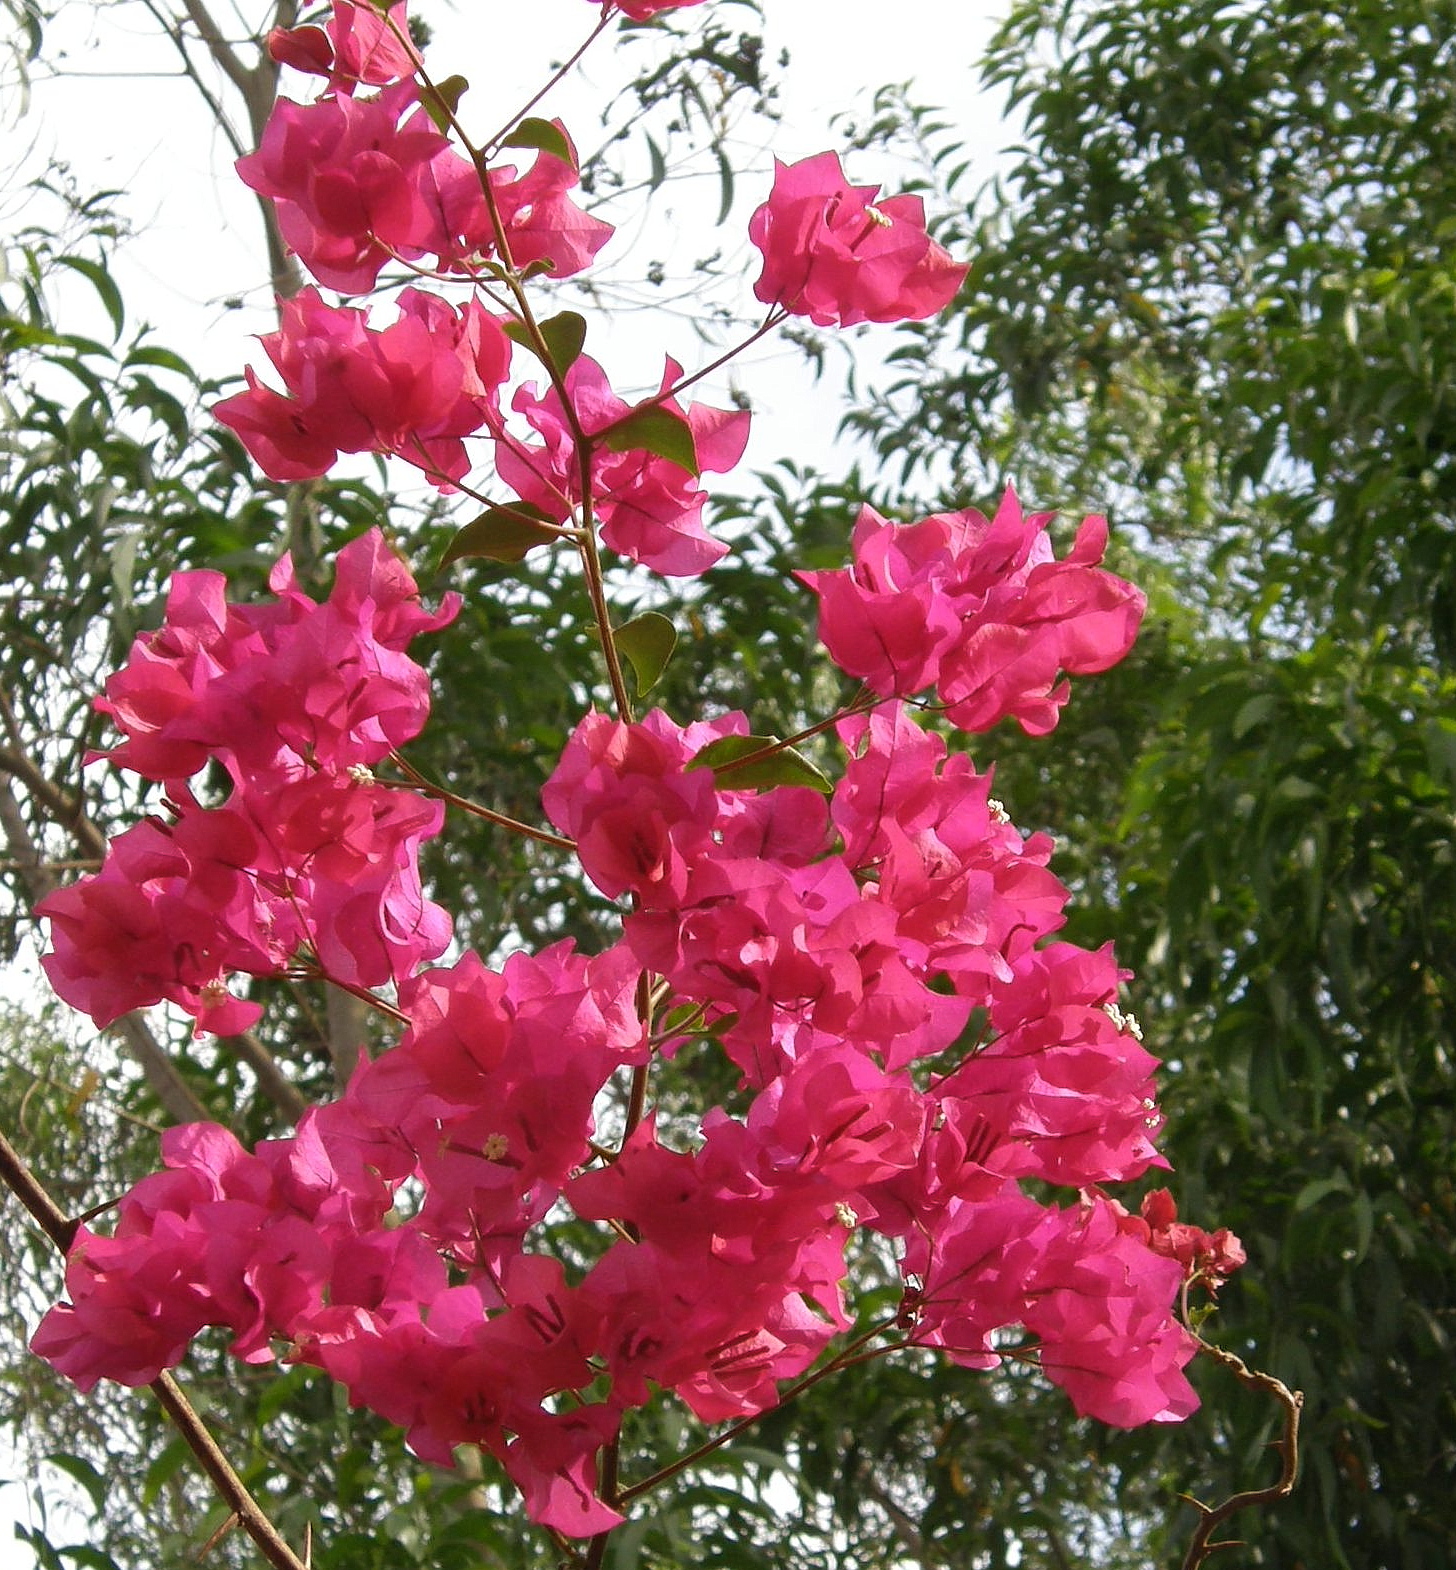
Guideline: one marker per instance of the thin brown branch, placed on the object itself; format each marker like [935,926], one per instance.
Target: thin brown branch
[562,71]
[1211,1517]
[845,1359]
[427,787]
[61,1230]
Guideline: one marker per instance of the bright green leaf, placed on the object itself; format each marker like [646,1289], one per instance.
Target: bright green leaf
[563,334]
[501,534]
[651,428]
[545,136]
[647,641]
[104,285]
[442,102]
[745,763]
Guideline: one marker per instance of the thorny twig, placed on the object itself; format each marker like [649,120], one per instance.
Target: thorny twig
[1211,1517]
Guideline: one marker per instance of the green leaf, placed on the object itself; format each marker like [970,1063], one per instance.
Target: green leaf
[1253,713]
[81,1471]
[654,429]
[657,172]
[735,766]
[164,359]
[725,184]
[1320,1188]
[647,641]
[104,285]
[545,137]
[1364,1224]
[564,336]
[163,1469]
[443,100]
[502,534]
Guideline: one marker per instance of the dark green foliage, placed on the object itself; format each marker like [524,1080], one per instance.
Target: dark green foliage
[1212,294]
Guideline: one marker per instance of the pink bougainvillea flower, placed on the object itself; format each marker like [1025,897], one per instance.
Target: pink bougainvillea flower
[357,45]
[1097,1300]
[642,10]
[980,608]
[296,700]
[414,388]
[277,690]
[650,507]
[1213,1256]
[831,252]
[359,182]
[541,222]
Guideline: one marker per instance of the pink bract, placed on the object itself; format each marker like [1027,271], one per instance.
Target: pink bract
[649,507]
[831,252]
[978,607]
[356,46]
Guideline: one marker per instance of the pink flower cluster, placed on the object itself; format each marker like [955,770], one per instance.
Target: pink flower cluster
[307,856]
[358,46]
[361,180]
[831,252]
[412,389]
[833,949]
[978,608]
[649,507]
[914,1046]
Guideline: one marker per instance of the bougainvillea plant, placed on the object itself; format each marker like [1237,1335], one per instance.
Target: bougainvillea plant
[919,1060]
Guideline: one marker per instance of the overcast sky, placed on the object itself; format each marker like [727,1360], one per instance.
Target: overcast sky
[124,120]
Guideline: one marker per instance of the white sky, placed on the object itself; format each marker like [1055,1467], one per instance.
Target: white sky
[199,241]
[123,120]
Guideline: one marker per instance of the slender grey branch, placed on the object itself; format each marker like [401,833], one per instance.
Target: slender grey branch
[190,71]
[65,810]
[272,1081]
[175,1094]
[228,60]
[257,85]
[61,1230]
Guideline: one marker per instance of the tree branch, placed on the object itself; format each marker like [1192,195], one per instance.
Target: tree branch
[228,60]
[61,1230]
[272,1081]
[1213,1516]
[177,1097]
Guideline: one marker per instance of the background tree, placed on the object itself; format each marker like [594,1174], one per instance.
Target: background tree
[1213,289]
